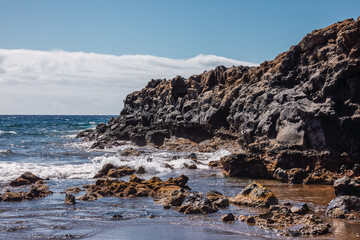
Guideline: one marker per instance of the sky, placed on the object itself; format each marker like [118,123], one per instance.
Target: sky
[85,56]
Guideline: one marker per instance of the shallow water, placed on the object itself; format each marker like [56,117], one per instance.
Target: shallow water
[45,145]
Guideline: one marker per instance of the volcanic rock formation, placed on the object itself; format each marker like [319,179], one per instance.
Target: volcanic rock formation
[300,111]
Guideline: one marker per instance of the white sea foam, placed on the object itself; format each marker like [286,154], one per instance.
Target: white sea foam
[160,161]
[154,162]
[7,132]
[11,170]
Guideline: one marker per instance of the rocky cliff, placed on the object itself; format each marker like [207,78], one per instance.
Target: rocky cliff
[301,110]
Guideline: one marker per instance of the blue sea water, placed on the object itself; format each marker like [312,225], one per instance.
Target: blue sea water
[47,147]
[34,143]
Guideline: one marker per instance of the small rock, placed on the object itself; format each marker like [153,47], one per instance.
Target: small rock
[141,170]
[117,217]
[300,209]
[192,166]
[70,199]
[228,218]
[193,156]
[214,195]
[222,202]
[250,220]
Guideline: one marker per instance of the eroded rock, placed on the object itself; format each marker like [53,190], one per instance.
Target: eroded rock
[255,195]
[26,178]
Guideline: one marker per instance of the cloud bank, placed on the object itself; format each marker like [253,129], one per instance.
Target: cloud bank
[59,82]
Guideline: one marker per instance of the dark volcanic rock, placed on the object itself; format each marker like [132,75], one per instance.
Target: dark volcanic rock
[195,203]
[344,207]
[347,202]
[305,100]
[347,186]
[228,218]
[244,166]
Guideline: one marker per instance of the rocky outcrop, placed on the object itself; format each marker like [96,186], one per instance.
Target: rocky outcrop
[26,178]
[135,187]
[37,190]
[304,104]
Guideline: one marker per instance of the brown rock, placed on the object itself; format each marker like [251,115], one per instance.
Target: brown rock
[70,199]
[25,179]
[255,195]
[72,190]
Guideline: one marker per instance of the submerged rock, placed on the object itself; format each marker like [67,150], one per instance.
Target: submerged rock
[69,199]
[255,195]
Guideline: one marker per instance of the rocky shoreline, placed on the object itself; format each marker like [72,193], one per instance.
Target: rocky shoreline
[295,118]
[175,194]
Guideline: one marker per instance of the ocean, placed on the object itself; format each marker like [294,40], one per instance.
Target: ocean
[47,146]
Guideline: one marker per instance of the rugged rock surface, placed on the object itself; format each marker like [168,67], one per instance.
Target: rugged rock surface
[298,111]
[195,203]
[135,187]
[109,170]
[288,222]
[37,190]
[26,178]
[255,195]
[347,202]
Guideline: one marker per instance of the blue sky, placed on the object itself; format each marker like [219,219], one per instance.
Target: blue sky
[245,30]
[85,56]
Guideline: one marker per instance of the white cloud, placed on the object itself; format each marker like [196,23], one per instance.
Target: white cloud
[59,82]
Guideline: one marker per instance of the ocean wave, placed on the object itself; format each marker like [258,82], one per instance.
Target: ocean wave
[7,132]
[11,170]
[154,162]
[161,161]
[6,152]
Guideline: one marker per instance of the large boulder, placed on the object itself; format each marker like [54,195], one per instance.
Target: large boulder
[344,207]
[347,186]
[244,166]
